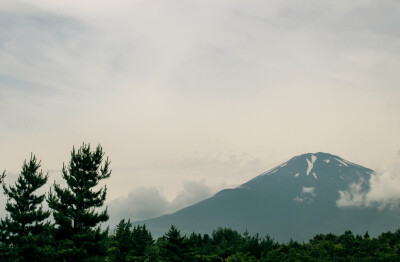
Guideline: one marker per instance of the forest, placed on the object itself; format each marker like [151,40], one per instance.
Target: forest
[70,229]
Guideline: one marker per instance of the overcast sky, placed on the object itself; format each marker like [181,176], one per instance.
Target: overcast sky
[189,97]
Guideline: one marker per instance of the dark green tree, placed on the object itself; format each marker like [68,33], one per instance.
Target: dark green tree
[78,233]
[25,234]
[174,246]
[130,244]
[121,242]
[142,241]
[226,241]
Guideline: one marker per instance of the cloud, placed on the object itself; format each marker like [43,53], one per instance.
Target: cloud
[383,193]
[307,194]
[308,190]
[191,193]
[152,80]
[352,197]
[139,204]
[148,202]
[385,188]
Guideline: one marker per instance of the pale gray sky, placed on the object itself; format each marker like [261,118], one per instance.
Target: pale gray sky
[204,92]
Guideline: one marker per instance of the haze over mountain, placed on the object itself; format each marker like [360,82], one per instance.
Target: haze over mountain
[300,198]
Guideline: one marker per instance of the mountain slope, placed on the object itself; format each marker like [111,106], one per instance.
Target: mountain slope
[296,199]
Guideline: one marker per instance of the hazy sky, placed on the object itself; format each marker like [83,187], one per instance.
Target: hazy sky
[188,97]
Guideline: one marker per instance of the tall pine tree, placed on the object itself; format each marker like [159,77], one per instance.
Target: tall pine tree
[25,234]
[78,234]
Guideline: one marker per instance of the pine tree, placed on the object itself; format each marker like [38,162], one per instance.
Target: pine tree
[74,207]
[25,235]
[174,246]
[142,240]
[121,243]
[131,244]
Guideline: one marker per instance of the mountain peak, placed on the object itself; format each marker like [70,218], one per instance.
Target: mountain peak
[296,199]
[309,170]
[310,160]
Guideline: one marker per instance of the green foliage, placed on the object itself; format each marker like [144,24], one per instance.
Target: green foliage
[142,240]
[241,257]
[173,246]
[121,243]
[226,242]
[24,233]
[74,208]
[129,244]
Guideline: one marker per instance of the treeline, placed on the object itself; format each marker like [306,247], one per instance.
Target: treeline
[224,244]
[73,233]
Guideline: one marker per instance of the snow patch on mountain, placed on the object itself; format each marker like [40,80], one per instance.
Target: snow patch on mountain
[342,162]
[310,164]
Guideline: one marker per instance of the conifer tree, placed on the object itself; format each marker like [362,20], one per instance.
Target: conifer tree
[78,235]
[174,246]
[142,240]
[25,234]
[121,243]
[131,243]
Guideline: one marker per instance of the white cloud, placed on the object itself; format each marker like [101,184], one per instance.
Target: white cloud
[385,188]
[139,204]
[383,193]
[148,202]
[352,197]
[308,190]
[191,193]
[307,194]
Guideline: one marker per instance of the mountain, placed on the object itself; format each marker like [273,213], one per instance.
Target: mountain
[295,200]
